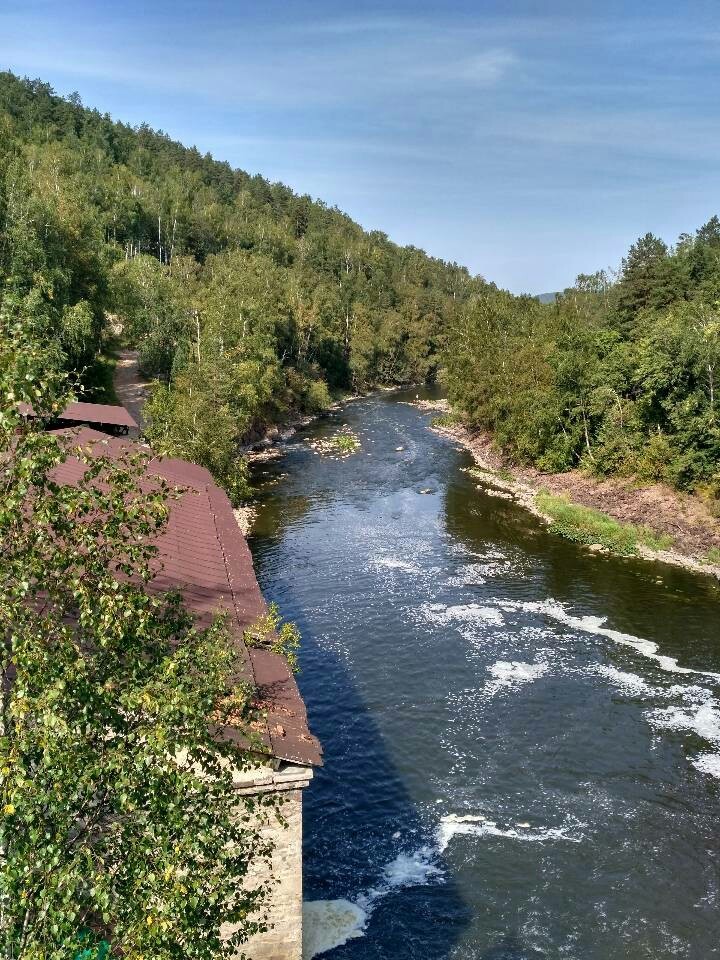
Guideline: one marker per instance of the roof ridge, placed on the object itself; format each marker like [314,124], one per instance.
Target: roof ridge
[288,739]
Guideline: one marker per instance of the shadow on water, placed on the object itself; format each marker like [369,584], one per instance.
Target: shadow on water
[364,840]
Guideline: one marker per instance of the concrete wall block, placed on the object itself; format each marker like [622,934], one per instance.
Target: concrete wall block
[283,941]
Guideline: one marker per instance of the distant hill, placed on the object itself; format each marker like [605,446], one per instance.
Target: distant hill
[547,297]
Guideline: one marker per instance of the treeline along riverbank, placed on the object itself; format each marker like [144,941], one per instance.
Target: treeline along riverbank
[250,306]
[618,377]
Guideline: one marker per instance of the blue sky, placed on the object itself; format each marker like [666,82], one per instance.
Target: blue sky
[529,141]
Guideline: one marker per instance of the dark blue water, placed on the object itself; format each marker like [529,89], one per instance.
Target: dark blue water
[522,739]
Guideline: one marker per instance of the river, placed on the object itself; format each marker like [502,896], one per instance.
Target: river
[522,739]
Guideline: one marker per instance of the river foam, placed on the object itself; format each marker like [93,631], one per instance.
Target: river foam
[702,720]
[477,825]
[494,565]
[699,715]
[513,673]
[330,923]
[396,563]
[698,712]
[595,625]
[708,763]
[438,613]
[629,684]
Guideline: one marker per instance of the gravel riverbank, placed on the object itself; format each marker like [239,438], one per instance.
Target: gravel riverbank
[683,518]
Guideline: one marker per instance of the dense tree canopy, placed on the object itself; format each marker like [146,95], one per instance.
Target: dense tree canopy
[248,302]
[619,376]
[241,296]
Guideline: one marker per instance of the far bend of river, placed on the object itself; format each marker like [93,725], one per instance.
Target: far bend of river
[522,738]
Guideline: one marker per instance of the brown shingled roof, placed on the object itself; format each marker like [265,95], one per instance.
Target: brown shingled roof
[103,414]
[204,555]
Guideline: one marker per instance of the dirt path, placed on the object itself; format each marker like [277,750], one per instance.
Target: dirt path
[130,386]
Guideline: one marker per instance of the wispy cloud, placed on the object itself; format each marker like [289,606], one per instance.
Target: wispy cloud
[479,69]
[360,25]
[468,128]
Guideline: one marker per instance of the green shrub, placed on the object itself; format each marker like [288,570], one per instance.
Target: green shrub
[271,632]
[445,420]
[585,525]
[655,463]
[317,396]
[98,377]
[345,442]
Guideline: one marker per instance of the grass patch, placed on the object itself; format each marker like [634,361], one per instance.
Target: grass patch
[340,444]
[585,525]
[445,420]
[713,555]
[344,443]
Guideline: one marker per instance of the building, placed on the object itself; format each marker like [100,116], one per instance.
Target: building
[102,416]
[203,555]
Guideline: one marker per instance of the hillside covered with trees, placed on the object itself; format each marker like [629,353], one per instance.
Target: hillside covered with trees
[249,303]
[619,376]
[246,301]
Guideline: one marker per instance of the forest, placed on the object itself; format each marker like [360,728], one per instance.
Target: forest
[247,302]
[250,304]
[618,376]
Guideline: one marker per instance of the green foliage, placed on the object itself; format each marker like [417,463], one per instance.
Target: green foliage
[616,377]
[155,305]
[187,421]
[713,555]
[445,420]
[119,821]
[342,443]
[98,377]
[273,633]
[98,951]
[52,261]
[313,395]
[345,443]
[247,301]
[585,525]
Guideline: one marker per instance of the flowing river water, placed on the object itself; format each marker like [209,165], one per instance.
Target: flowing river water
[522,739]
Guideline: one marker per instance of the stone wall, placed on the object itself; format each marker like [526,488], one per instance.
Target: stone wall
[283,940]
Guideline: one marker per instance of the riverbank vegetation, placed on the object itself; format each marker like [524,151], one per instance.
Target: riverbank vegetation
[615,513]
[594,528]
[619,376]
